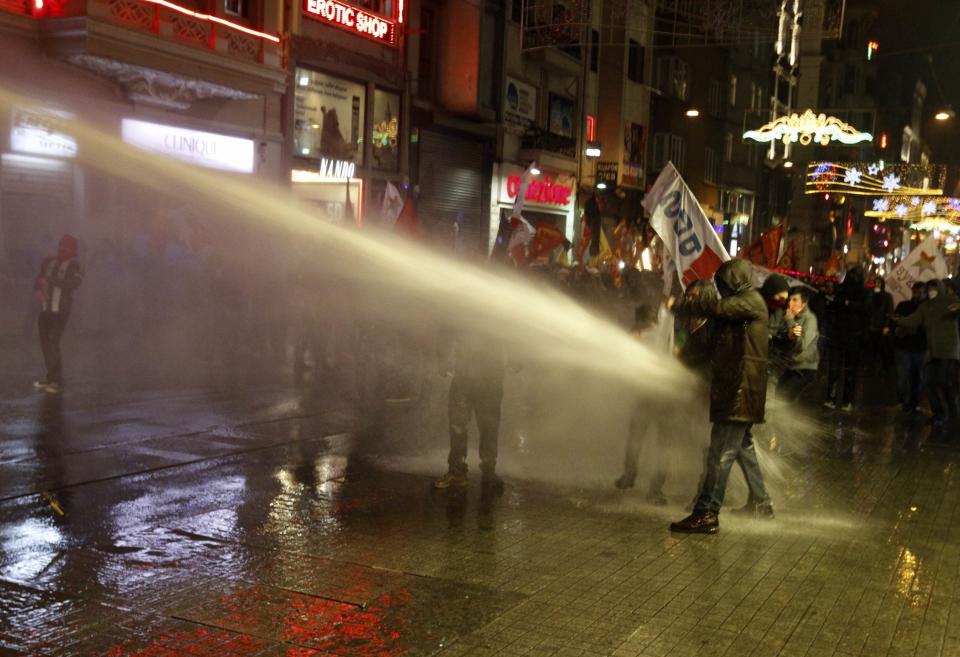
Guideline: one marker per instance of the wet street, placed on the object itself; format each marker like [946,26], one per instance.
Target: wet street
[228,524]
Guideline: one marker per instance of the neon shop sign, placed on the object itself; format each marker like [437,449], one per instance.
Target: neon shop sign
[353,19]
[540,191]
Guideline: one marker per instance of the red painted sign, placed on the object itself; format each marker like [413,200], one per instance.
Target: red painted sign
[353,19]
[540,191]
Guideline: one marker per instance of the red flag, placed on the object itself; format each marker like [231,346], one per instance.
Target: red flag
[833,266]
[703,267]
[407,221]
[765,249]
[519,236]
[788,260]
[546,239]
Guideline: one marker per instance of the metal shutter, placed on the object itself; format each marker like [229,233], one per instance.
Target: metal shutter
[452,181]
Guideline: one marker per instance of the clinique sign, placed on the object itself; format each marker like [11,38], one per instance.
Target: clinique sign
[354,19]
[540,191]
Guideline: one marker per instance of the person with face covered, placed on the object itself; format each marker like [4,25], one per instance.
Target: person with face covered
[848,313]
[738,392]
[938,317]
[878,327]
[59,277]
[909,353]
[775,291]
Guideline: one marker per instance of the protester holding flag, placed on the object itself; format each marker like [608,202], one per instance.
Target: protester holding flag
[738,393]
[938,317]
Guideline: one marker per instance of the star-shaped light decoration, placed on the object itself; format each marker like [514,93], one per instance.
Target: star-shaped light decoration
[930,207]
[881,205]
[915,200]
[873,169]
[891,182]
[901,209]
[820,170]
[955,204]
[852,176]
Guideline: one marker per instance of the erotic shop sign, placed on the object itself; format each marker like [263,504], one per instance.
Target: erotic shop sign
[351,18]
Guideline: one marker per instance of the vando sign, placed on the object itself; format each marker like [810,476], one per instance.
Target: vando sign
[205,149]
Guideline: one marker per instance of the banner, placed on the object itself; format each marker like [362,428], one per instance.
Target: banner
[789,258]
[765,251]
[688,236]
[392,204]
[924,263]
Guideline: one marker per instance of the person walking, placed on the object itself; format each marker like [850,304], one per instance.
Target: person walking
[800,346]
[909,352]
[738,392]
[848,324]
[938,317]
[59,277]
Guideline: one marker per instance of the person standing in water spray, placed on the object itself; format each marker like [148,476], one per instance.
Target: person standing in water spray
[59,277]
[738,392]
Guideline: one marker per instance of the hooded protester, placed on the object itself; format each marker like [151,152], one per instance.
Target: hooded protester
[738,393]
[878,327]
[59,277]
[848,314]
[775,291]
[910,350]
[938,317]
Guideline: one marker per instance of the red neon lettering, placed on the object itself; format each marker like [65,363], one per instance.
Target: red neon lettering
[540,191]
[356,20]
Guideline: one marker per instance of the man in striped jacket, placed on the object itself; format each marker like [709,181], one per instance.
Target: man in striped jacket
[59,276]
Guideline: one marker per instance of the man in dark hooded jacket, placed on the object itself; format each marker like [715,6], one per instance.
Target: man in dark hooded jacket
[878,325]
[738,393]
[848,315]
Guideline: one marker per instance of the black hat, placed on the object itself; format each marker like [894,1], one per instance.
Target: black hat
[774,285]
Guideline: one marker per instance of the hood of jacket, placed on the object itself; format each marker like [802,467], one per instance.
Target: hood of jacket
[736,274]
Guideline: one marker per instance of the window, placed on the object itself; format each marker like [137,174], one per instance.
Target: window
[713,98]
[235,8]
[425,60]
[594,50]
[635,55]
[668,148]
[673,77]
[329,117]
[711,167]
[386,130]
[728,147]
[752,156]
[760,99]
[733,91]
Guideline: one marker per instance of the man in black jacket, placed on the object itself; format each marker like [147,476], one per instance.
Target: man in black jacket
[738,393]
[910,351]
[848,326]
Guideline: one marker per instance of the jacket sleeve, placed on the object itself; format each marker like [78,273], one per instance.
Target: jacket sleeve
[72,277]
[912,322]
[810,333]
[737,307]
[43,268]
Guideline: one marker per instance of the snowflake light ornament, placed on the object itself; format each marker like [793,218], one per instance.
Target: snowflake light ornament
[873,169]
[852,176]
[891,182]
[955,204]
[915,200]
[930,207]
[881,205]
[901,209]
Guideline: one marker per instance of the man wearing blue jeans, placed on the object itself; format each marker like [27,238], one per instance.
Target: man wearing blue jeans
[738,392]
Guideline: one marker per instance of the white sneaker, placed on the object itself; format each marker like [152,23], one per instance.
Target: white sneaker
[846,408]
[829,404]
[40,385]
[53,388]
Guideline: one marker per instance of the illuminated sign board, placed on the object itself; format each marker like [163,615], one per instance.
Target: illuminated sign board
[36,132]
[205,149]
[544,191]
[353,19]
[337,169]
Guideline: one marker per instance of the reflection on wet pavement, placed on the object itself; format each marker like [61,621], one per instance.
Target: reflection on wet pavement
[273,536]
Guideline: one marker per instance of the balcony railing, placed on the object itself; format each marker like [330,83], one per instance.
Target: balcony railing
[541,140]
[167,20]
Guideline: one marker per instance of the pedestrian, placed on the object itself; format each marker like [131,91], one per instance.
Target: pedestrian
[59,277]
[878,325]
[938,317]
[648,429]
[476,390]
[738,392]
[799,345]
[910,351]
[848,313]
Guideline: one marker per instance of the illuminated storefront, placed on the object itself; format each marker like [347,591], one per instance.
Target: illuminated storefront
[550,198]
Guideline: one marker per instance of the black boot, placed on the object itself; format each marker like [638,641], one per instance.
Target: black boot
[698,522]
[756,511]
[626,480]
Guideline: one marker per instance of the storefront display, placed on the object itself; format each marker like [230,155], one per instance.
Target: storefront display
[329,117]
[386,130]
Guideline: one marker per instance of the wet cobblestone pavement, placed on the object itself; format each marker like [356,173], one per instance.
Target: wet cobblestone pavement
[258,526]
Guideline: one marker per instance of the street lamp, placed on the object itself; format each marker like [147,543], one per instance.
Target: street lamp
[693,113]
[601,185]
[592,150]
[945,114]
[788,164]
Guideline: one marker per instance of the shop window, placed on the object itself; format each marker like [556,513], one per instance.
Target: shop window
[329,117]
[236,8]
[385,137]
